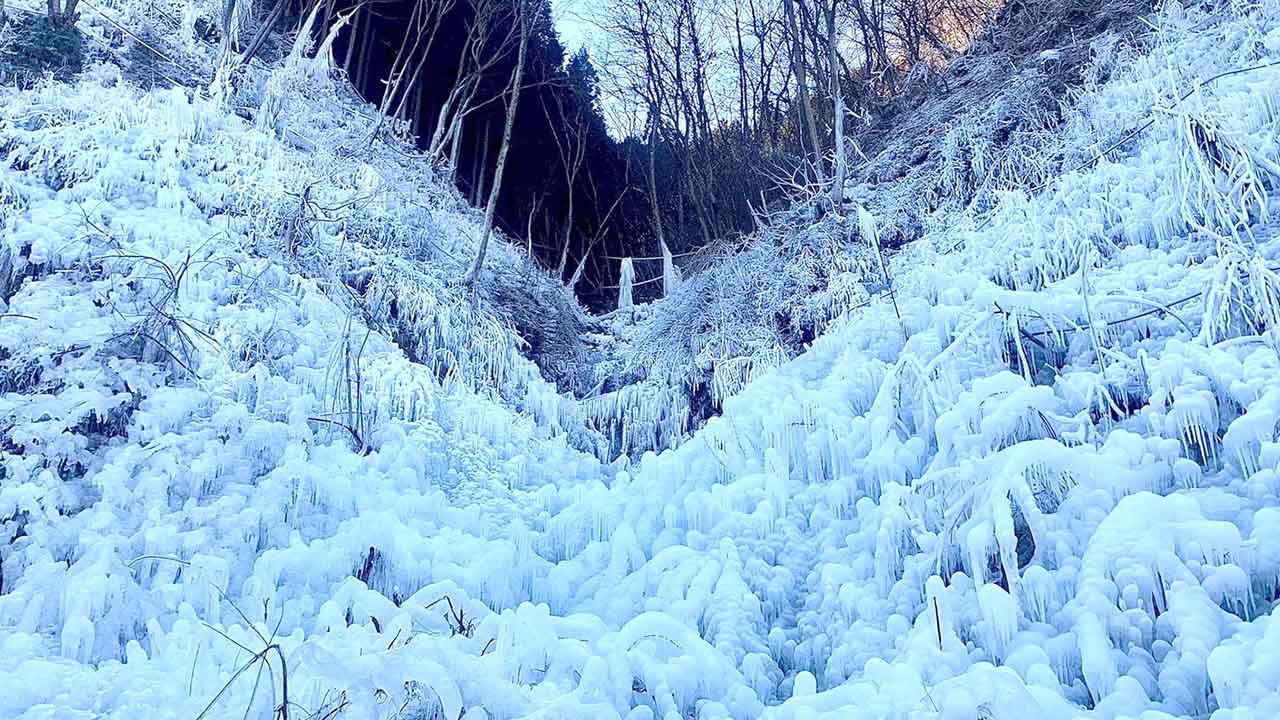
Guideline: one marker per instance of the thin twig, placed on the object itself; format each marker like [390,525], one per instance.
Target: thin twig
[355,436]
[140,558]
[191,679]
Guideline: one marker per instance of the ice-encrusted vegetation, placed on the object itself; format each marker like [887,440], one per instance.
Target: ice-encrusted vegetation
[261,460]
[932,160]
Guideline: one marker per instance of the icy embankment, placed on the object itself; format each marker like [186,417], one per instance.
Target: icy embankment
[223,495]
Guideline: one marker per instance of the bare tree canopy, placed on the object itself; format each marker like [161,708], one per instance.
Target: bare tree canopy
[684,124]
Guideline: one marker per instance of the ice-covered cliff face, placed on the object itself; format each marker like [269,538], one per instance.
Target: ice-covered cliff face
[259,461]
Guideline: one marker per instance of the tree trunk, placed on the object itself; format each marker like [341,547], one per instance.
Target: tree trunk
[568,234]
[837,94]
[743,101]
[260,38]
[802,87]
[480,177]
[492,207]
[366,49]
[655,212]
[353,39]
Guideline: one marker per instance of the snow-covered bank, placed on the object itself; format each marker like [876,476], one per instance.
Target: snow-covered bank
[1056,498]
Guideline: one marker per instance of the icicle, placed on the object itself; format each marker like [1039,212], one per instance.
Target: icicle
[1039,594]
[1195,415]
[1230,587]
[1000,615]
[670,273]
[626,279]
[77,639]
[979,543]
[1099,669]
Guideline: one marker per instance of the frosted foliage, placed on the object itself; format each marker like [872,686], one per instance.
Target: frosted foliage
[251,427]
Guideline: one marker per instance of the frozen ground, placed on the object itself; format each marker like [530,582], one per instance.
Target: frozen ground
[239,480]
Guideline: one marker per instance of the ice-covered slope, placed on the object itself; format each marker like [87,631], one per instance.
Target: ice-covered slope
[1055,497]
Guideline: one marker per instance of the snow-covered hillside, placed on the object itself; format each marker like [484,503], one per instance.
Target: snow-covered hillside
[262,460]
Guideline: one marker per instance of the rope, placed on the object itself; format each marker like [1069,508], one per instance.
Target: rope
[634,284]
[657,257]
[126,31]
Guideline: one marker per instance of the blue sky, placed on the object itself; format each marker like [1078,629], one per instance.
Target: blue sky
[572,22]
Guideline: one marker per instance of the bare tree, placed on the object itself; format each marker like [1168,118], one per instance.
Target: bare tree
[59,15]
[838,111]
[517,80]
[802,86]
[425,22]
[572,150]
[488,41]
[654,99]
[720,137]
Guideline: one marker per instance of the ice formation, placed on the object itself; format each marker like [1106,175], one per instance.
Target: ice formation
[218,477]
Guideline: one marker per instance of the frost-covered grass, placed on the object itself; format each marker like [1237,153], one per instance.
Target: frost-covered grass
[244,443]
